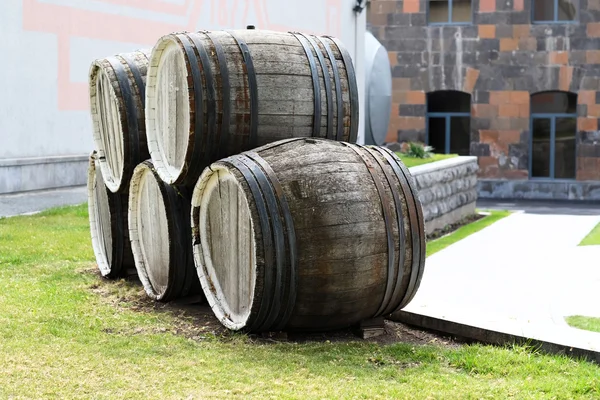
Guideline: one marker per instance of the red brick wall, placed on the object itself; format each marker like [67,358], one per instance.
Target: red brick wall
[500,59]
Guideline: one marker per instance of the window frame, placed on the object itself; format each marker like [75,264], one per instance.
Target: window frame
[447,131]
[555,20]
[552,117]
[449,22]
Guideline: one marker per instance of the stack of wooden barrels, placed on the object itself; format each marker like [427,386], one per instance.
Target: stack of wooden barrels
[228,170]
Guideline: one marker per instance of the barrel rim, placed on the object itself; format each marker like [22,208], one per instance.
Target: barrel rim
[197,215]
[167,173]
[100,254]
[112,179]
[143,168]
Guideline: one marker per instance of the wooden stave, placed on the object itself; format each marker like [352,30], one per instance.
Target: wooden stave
[121,262]
[183,280]
[126,73]
[224,140]
[405,287]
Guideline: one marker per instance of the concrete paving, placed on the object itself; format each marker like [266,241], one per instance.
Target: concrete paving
[33,202]
[521,275]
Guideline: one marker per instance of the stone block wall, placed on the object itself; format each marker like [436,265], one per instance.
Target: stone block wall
[447,190]
[500,59]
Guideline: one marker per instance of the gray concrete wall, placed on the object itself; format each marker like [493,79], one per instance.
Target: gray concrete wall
[50,44]
[447,190]
[539,190]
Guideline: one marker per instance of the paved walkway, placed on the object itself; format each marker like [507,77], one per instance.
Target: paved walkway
[32,202]
[522,275]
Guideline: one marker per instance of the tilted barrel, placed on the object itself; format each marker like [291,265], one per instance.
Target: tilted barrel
[108,226]
[159,227]
[214,94]
[307,234]
[117,98]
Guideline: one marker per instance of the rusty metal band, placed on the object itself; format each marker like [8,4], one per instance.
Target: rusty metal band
[290,300]
[316,85]
[195,166]
[137,77]
[393,303]
[226,93]
[421,221]
[211,102]
[338,90]
[265,227]
[406,194]
[252,87]
[420,226]
[387,220]
[130,111]
[352,85]
[327,80]
[278,238]
[415,216]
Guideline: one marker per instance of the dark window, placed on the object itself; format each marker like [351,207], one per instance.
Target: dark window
[449,11]
[449,122]
[554,10]
[553,131]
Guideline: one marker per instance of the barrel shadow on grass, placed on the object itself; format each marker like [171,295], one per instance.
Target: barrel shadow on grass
[196,321]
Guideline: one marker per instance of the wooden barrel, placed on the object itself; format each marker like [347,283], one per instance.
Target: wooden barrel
[307,234]
[159,227]
[108,226]
[117,98]
[215,94]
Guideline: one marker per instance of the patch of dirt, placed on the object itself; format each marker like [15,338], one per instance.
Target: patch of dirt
[395,332]
[452,227]
[192,319]
[196,321]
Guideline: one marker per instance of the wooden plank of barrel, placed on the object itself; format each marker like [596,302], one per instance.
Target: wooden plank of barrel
[159,227]
[214,94]
[307,234]
[117,97]
[108,226]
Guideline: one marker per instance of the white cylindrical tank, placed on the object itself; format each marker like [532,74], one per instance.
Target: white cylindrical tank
[378,83]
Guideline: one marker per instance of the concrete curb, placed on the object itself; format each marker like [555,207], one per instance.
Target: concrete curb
[492,337]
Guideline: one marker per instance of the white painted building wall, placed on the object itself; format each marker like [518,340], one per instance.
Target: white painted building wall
[47,46]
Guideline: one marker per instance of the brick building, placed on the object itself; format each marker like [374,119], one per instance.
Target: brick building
[514,82]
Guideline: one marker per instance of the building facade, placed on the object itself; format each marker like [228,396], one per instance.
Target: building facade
[48,46]
[514,82]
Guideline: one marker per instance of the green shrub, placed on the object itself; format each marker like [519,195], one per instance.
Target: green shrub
[419,150]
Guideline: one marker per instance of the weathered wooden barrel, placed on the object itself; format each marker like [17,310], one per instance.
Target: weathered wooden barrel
[117,98]
[307,234]
[214,94]
[108,226]
[159,227]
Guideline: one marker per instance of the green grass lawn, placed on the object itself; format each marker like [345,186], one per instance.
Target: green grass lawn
[592,238]
[65,333]
[413,161]
[587,323]
[439,244]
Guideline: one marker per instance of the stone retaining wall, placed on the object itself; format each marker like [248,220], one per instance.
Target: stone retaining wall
[447,190]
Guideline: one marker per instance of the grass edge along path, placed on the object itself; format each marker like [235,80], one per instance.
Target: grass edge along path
[67,333]
[441,243]
[591,324]
[592,238]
